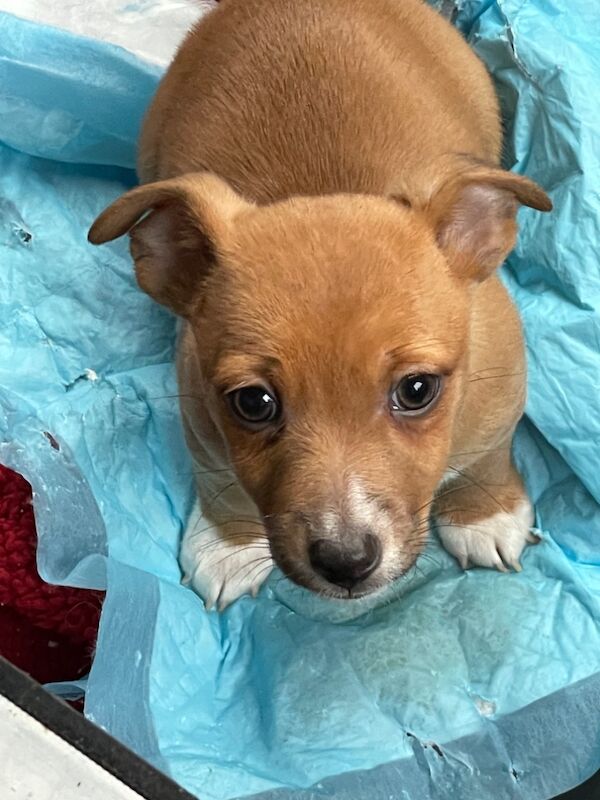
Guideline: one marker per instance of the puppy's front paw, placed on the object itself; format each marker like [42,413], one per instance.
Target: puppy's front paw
[223,562]
[496,542]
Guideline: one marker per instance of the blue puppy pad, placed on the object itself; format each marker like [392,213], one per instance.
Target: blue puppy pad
[76,360]
[546,64]
[473,685]
[307,697]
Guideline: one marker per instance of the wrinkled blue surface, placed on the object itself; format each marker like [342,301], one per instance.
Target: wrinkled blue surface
[500,672]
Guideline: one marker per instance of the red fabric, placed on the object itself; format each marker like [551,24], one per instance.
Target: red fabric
[48,631]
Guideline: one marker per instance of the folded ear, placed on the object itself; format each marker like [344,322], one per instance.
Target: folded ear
[184,223]
[474,216]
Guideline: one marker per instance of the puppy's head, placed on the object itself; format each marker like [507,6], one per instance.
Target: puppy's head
[332,335]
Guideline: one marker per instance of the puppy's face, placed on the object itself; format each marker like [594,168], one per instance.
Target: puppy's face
[331,335]
[331,341]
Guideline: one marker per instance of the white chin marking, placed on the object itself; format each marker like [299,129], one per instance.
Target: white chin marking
[495,542]
[224,562]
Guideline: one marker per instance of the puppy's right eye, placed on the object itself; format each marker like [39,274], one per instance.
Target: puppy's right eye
[254,406]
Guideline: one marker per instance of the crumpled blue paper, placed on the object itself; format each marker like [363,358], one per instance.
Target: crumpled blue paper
[474,685]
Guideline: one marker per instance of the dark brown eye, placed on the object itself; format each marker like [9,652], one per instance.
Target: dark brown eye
[254,406]
[414,394]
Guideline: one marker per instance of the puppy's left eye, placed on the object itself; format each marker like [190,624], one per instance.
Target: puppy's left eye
[415,394]
[254,406]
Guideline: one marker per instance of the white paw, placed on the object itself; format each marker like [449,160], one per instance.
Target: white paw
[496,542]
[224,562]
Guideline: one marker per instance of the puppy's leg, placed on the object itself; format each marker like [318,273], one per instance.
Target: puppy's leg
[483,515]
[224,560]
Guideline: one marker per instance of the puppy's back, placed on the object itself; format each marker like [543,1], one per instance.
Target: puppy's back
[285,97]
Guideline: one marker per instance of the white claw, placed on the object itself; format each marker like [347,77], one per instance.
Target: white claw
[500,565]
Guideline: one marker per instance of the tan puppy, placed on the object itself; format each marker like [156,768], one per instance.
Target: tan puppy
[325,211]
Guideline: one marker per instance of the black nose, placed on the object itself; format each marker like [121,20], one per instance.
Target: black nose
[345,566]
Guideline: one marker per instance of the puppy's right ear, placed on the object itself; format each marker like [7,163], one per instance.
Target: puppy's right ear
[184,223]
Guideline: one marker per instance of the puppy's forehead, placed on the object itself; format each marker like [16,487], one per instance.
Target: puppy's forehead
[344,279]
[310,243]
[343,247]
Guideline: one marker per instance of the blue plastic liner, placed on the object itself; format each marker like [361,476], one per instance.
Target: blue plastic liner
[475,685]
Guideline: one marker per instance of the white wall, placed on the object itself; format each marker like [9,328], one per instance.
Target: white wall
[150,28]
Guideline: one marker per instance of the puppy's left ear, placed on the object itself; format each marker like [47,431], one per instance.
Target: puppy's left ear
[473,214]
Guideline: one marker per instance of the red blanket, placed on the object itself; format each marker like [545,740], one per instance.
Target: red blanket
[48,631]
